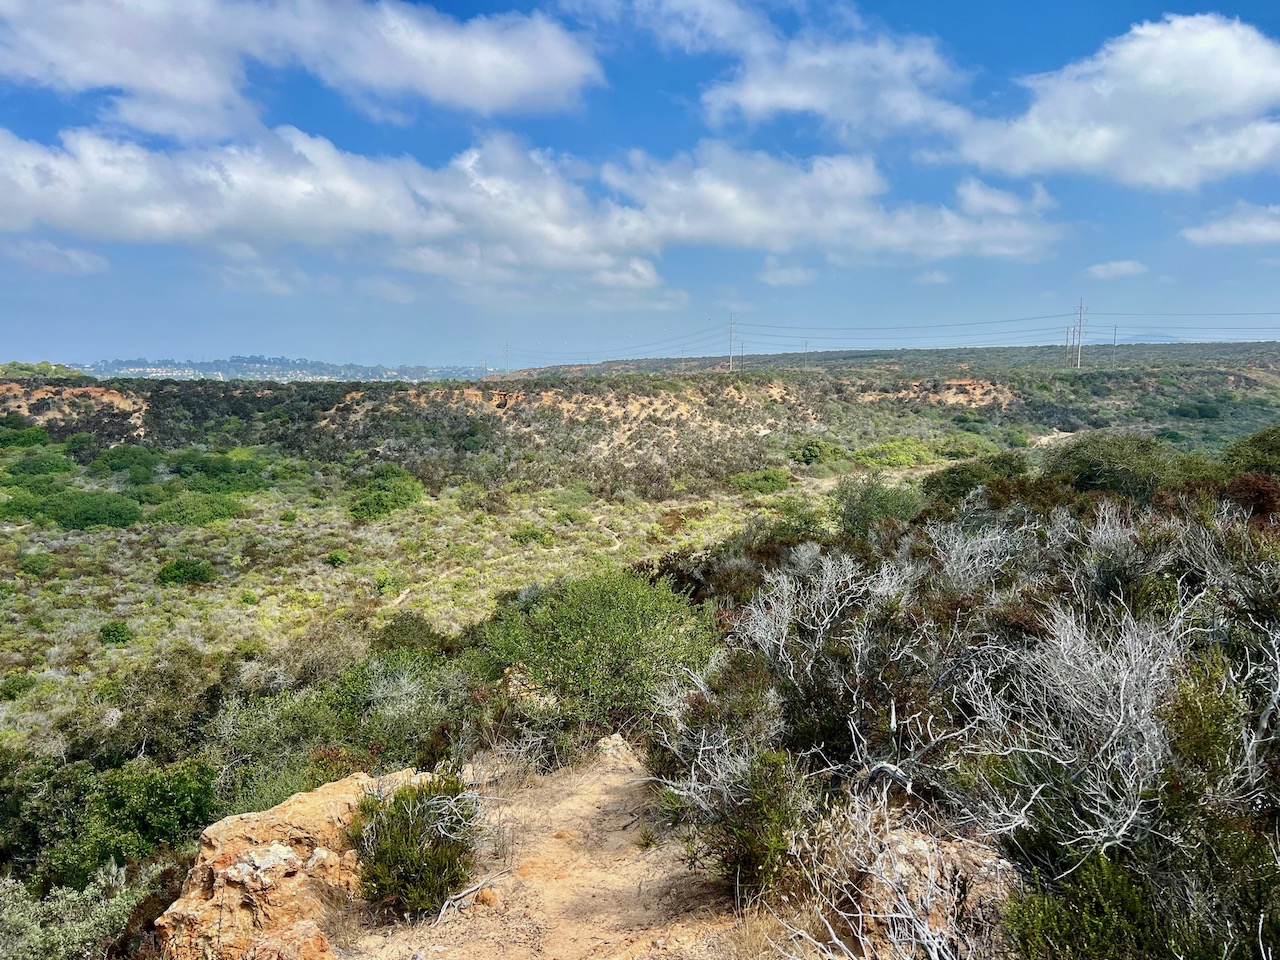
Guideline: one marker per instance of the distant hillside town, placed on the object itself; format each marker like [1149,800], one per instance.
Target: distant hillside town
[280,369]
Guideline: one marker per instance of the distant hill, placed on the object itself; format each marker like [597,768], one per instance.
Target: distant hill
[278,369]
[18,370]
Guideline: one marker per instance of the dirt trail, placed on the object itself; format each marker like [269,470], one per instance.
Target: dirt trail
[580,882]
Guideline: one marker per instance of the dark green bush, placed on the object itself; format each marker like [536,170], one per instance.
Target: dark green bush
[530,533]
[1102,911]
[37,564]
[41,464]
[601,645]
[772,480]
[15,683]
[815,450]
[1124,463]
[191,509]
[217,472]
[861,503]
[1257,453]
[749,839]
[412,631]
[388,488]
[23,437]
[133,811]
[115,632]
[336,558]
[186,570]
[84,509]
[83,448]
[418,846]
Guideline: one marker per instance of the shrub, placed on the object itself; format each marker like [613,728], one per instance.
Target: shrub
[389,488]
[196,509]
[186,570]
[337,558]
[37,564]
[66,924]
[15,683]
[1100,912]
[24,437]
[749,839]
[217,472]
[132,812]
[1124,463]
[900,452]
[814,450]
[412,631]
[772,480]
[83,448]
[529,533]
[85,509]
[601,645]
[860,503]
[41,464]
[1257,453]
[115,632]
[417,846]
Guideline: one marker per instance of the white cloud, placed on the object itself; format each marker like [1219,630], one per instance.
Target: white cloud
[933,278]
[1247,223]
[722,196]
[179,68]
[777,274]
[1168,105]
[1116,268]
[48,257]
[498,213]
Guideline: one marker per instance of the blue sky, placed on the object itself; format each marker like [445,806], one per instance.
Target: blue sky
[403,183]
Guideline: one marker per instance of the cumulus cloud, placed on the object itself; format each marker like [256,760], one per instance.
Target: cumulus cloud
[497,213]
[1168,105]
[728,197]
[1247,223]
[48,257]
[1116,268]
[179,68]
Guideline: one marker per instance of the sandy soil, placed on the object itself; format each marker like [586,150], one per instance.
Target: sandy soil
[580,881]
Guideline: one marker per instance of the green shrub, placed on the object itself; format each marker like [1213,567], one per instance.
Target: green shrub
[749,839]
[115,632]
[529,533]
[815,451]
[418,846]
[389,488]
[1124,463]
[83,448]
[771,480]
[85,509]
[412,631]
[15,683]
[600,646]
[24,437]
[192,509]
[336,558]
[41,464]
[132,812]
[37,564]
[1102,911]
[217,472]
[138,461]
[1257,453]
[67,924]
[186,570]
[900,452]
[860,503]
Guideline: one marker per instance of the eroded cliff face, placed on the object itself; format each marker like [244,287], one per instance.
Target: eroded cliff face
[272,884]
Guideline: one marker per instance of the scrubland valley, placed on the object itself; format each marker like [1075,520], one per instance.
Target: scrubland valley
[937,654]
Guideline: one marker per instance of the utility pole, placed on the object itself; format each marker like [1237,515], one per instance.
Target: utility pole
[1080,334]
[731,343]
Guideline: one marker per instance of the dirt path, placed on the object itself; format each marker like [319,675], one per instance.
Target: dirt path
[581,881]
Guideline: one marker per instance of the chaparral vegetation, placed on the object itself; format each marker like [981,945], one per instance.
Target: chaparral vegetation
[969,597]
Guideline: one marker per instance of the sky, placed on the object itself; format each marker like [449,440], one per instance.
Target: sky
[380,181]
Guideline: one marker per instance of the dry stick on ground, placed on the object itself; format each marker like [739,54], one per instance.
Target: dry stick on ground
[461,895]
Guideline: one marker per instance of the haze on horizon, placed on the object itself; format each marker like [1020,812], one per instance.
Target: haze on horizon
[392,182]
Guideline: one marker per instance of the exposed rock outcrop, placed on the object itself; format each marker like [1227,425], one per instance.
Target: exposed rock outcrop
[269,885]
